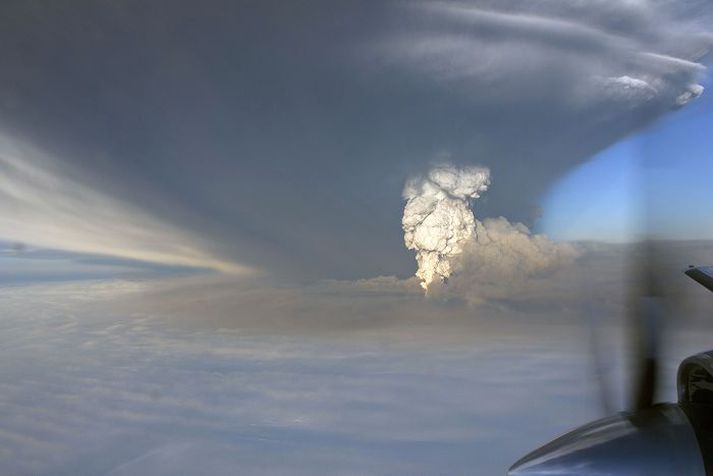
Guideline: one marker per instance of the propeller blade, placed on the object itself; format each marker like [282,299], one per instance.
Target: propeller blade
[597,361]
[646,328]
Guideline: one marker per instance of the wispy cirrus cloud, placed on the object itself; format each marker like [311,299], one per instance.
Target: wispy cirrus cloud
[573,53]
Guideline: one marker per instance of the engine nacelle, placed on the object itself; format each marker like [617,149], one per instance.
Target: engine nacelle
[666,439]
[695,379]
[695,397]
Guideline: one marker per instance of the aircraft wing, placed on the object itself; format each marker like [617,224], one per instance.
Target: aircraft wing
[702,274]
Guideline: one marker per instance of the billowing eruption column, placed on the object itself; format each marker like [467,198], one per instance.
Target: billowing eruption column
[483,256]
[437,219]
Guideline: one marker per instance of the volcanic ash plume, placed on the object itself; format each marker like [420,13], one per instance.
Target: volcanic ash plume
[437,219]
[485,257]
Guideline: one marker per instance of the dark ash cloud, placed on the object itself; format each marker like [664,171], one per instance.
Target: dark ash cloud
[282,135]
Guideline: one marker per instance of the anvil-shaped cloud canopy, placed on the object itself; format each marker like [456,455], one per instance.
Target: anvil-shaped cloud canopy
[280,135]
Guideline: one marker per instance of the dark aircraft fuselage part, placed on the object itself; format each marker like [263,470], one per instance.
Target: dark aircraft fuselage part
[658,441]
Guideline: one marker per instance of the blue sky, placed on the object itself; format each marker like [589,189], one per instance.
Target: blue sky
[602,199]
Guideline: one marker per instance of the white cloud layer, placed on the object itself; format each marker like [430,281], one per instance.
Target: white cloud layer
[225,376]
[133,392]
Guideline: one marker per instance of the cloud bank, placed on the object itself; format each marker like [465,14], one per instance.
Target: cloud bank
[440,226]
[134,393]
[219,374]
